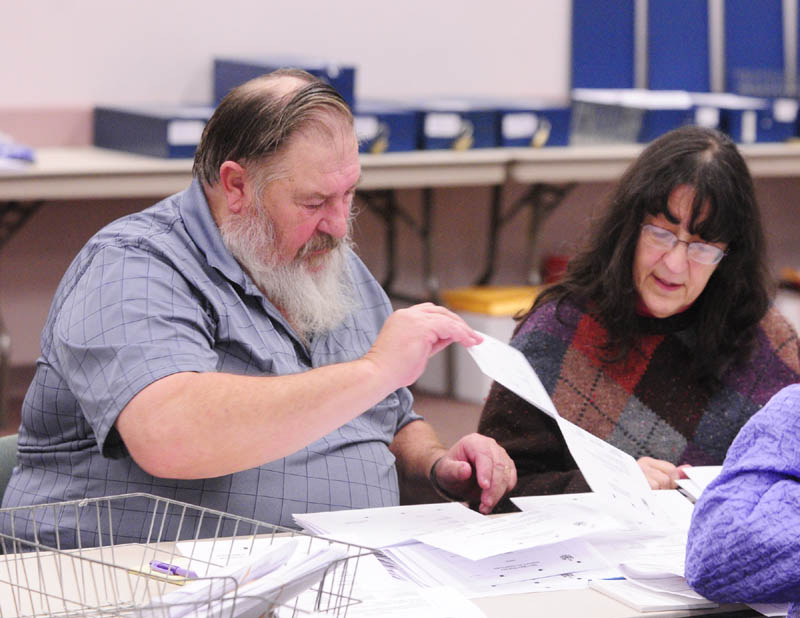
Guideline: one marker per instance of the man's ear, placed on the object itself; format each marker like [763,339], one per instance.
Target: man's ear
[235,186]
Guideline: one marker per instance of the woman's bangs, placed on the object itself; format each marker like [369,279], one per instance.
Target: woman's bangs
[716,216]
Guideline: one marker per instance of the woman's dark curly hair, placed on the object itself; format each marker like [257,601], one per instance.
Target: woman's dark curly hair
[736,297]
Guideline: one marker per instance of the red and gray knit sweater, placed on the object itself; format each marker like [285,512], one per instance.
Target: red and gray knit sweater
[646,404]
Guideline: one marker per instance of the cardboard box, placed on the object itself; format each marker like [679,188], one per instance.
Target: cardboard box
[160,131]
[491,310]
[231,72]
[383,126]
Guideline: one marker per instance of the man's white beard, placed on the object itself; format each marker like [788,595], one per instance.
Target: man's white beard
[314,302]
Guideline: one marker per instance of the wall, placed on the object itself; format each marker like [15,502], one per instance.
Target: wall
[78,52]
[69,55]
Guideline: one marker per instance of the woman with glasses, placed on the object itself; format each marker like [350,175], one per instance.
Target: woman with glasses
[661,338]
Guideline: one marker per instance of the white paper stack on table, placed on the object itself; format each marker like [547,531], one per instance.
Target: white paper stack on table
[275,574]
[556,542]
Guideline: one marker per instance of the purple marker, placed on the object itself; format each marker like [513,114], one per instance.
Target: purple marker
[171,569]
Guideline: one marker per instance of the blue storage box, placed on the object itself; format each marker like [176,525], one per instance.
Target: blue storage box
[603,43]
[754,46]
[750,119]
[630,115]
[230,72]
[534,123]
[155,130]
[678,48]
[383,126]
[457,124]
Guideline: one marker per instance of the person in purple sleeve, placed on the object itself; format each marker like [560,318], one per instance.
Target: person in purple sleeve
[744,541]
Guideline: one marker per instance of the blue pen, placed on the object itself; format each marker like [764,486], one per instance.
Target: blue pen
[171,569]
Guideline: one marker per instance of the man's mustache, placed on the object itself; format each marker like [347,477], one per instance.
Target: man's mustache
[319,242]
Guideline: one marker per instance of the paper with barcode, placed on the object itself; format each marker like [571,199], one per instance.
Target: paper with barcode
[608,470]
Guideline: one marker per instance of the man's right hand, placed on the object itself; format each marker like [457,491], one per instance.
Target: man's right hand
[411,336]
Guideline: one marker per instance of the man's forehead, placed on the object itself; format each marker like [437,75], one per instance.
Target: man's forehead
[324,188]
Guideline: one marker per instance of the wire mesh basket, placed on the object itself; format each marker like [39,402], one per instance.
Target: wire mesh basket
[598,123]
[762,82]
[69,559]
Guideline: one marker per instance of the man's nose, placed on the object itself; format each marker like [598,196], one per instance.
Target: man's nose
[336,219]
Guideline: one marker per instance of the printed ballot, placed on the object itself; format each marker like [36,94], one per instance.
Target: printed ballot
[609,471]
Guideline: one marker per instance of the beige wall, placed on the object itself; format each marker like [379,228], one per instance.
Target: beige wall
[70,54]
[75,52]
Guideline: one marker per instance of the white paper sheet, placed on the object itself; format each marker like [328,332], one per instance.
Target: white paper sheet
[645,600]
[699,478]
[509,367]
[702,475]
[660,581]
[381,527]
[208,556]
[644,550]
[673,509]
[517,531]
[771,609]
[511,573]
[608,470]
[194,596]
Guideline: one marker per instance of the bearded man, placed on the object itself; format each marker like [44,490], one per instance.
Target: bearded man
[225,347]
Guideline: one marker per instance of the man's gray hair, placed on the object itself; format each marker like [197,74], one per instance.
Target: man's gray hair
[258,118]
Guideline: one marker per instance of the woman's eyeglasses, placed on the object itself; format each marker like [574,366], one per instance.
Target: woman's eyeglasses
[700,252]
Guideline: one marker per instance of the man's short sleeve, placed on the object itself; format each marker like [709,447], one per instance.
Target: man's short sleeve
[130,319]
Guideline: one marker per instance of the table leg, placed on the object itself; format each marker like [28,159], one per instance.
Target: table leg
[542,199]
[495,223]
[5,362]
[13,216]
[385,204]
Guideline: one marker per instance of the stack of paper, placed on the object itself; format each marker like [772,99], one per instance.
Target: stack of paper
[264,578]
[699,478]
[644,599]
[382,527]
[515,572]
[555,542]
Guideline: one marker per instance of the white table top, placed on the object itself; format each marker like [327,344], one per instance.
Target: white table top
[581,603]
[603,163]
[93,173]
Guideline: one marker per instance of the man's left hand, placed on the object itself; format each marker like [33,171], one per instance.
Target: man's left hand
[476,469]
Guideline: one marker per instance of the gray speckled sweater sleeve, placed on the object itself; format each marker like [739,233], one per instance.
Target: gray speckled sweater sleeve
[744,543]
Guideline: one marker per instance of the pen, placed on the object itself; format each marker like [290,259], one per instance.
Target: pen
[171,569]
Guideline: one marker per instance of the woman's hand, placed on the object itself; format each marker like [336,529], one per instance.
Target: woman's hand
[661,474]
